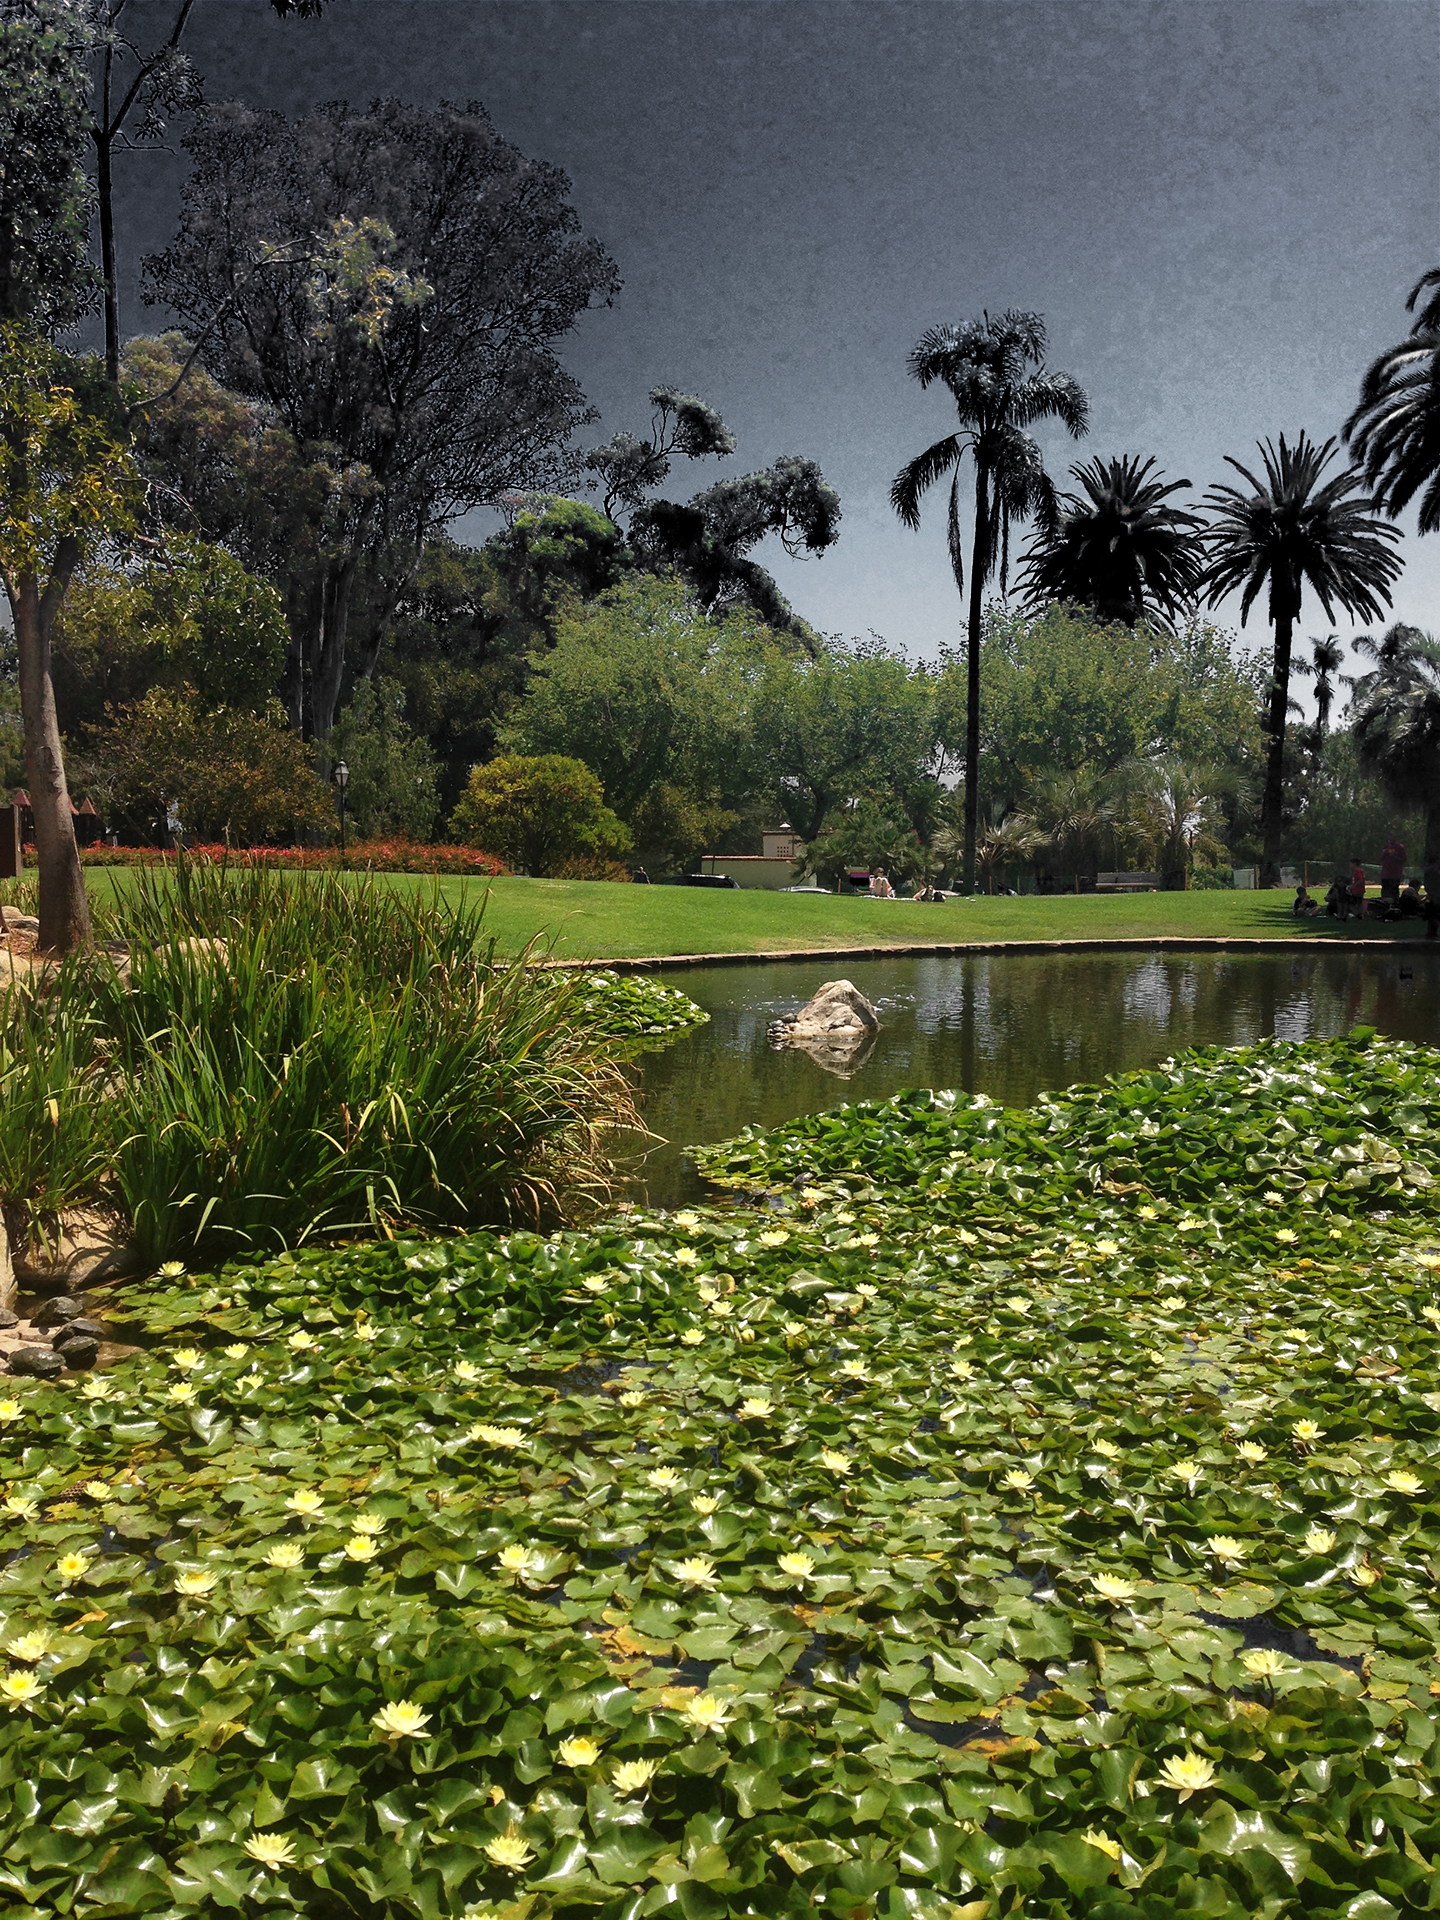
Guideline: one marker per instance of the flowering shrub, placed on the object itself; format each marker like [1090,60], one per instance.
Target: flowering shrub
[366,856]
[1022,1512]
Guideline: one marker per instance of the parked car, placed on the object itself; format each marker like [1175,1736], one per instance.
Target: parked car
[708,880]
[825,890]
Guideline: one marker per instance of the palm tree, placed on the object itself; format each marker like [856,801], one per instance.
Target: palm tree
[1290,529]
[1397,724]
[1120,549]
[1395,430]
[1326,659]
[996,375]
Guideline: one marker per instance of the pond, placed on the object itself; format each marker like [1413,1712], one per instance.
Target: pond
[1009,1025]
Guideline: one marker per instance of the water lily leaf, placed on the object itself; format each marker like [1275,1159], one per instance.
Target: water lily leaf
[1228,1830]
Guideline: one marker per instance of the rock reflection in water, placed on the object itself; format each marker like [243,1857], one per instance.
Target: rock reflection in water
[1008,1025]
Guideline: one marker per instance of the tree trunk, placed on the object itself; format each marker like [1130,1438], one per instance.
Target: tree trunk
[327,653]
[105,195]
[1271,811]
[972,678]
[64,911]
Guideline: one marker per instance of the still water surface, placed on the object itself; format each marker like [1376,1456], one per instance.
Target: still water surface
[1008,1025]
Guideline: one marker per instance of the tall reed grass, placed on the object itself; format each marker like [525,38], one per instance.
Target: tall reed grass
[281,1058]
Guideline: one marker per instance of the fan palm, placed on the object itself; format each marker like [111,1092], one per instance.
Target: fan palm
[1395,430]
[1120,549]
[995,372]
[1287,530]
[1397,724]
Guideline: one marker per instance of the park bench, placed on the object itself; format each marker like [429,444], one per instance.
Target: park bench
[1127,883]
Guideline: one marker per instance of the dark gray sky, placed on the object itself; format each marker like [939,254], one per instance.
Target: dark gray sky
[1218,205]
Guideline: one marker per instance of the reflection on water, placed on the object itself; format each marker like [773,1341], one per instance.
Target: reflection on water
[1004,1024]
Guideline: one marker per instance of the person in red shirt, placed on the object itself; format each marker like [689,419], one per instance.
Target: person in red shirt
[1392,868]
[1357,887]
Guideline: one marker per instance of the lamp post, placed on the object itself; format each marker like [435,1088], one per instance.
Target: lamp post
[341,777]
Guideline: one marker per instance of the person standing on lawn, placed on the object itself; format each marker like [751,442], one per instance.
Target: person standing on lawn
[1392,868]
[1357,887]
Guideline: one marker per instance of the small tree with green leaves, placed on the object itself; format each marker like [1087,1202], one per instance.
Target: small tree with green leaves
[539,813]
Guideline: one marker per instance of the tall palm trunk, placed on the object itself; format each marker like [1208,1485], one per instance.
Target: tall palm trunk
[978,555]
[1272,808]
[64,910]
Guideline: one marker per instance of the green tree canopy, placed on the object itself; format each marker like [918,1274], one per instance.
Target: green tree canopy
[392,790]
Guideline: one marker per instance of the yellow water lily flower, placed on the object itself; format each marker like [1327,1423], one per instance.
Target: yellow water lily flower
[187,1358]
[1189,1224]
[707,1712]
[1110,1586]
[794,1329]
[400,1720]
[12,1409]
[1108,1247]
[465,1370]
[1018,1480]
[1432,1314]
[1401,1480]
[172,1269]
[755,1409]
[664,1479]
[1148,1213]
[1272,1198]
[799,1566]
[1017,1303]
[72,1566]
[21,1689]
[31,1646]
[1252,1451]
[1173,1302]
[1262,1663]
[1102,1842]
[1306,1431]
[1225,1548]
[837,1462]
[360,1546]
[196,1582]
[301,1342]
[1364,1576]
[632,1397]
[854,1370]
[867,1240]
[307,1502]
[1320,1540]
[773,1237]
[184,1393]
[272,1850]
[20,1507]
[237,1352]
[1187,1773]
[691,1337]
[705,1503]
[94,1387]
[595,1284]
[867,1292]
[961,1369]
[687,1220]
[632,1776]
[287,1555]
[507,1438]
[696,1571]
[371,1523]
[367,1331]
[685,1257]
[1107,1449]
[519,1560]
[579,1751]
[723,1308]
[1187,1470]
[509,1850]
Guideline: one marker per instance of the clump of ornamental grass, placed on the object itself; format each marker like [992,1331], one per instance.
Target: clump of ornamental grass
[281,1059]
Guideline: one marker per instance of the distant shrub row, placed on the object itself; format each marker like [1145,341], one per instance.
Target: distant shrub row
[369,856]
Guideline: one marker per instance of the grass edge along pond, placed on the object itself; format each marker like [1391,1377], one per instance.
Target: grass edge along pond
[604,920]
[1001,1511]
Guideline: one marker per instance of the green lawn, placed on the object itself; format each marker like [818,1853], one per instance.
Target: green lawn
[592,920]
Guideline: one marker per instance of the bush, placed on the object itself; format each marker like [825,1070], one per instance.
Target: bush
[1211,879]
[365,856]
[351,1060]
[539,812]
[224,771]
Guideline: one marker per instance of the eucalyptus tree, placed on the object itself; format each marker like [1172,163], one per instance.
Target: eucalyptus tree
[392,284]
[1118,547]
[995,372]
[1394,431]
[1292,528]
[1396,731]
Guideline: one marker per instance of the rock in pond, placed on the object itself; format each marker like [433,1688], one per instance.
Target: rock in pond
[836,1027]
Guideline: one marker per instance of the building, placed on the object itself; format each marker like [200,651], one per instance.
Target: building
[773,867]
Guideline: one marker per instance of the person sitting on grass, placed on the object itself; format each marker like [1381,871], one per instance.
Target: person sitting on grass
[880,887]
[1412,907]
[1337,900]
[1305,906]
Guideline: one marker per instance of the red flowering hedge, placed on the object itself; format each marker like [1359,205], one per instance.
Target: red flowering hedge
[366,856]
